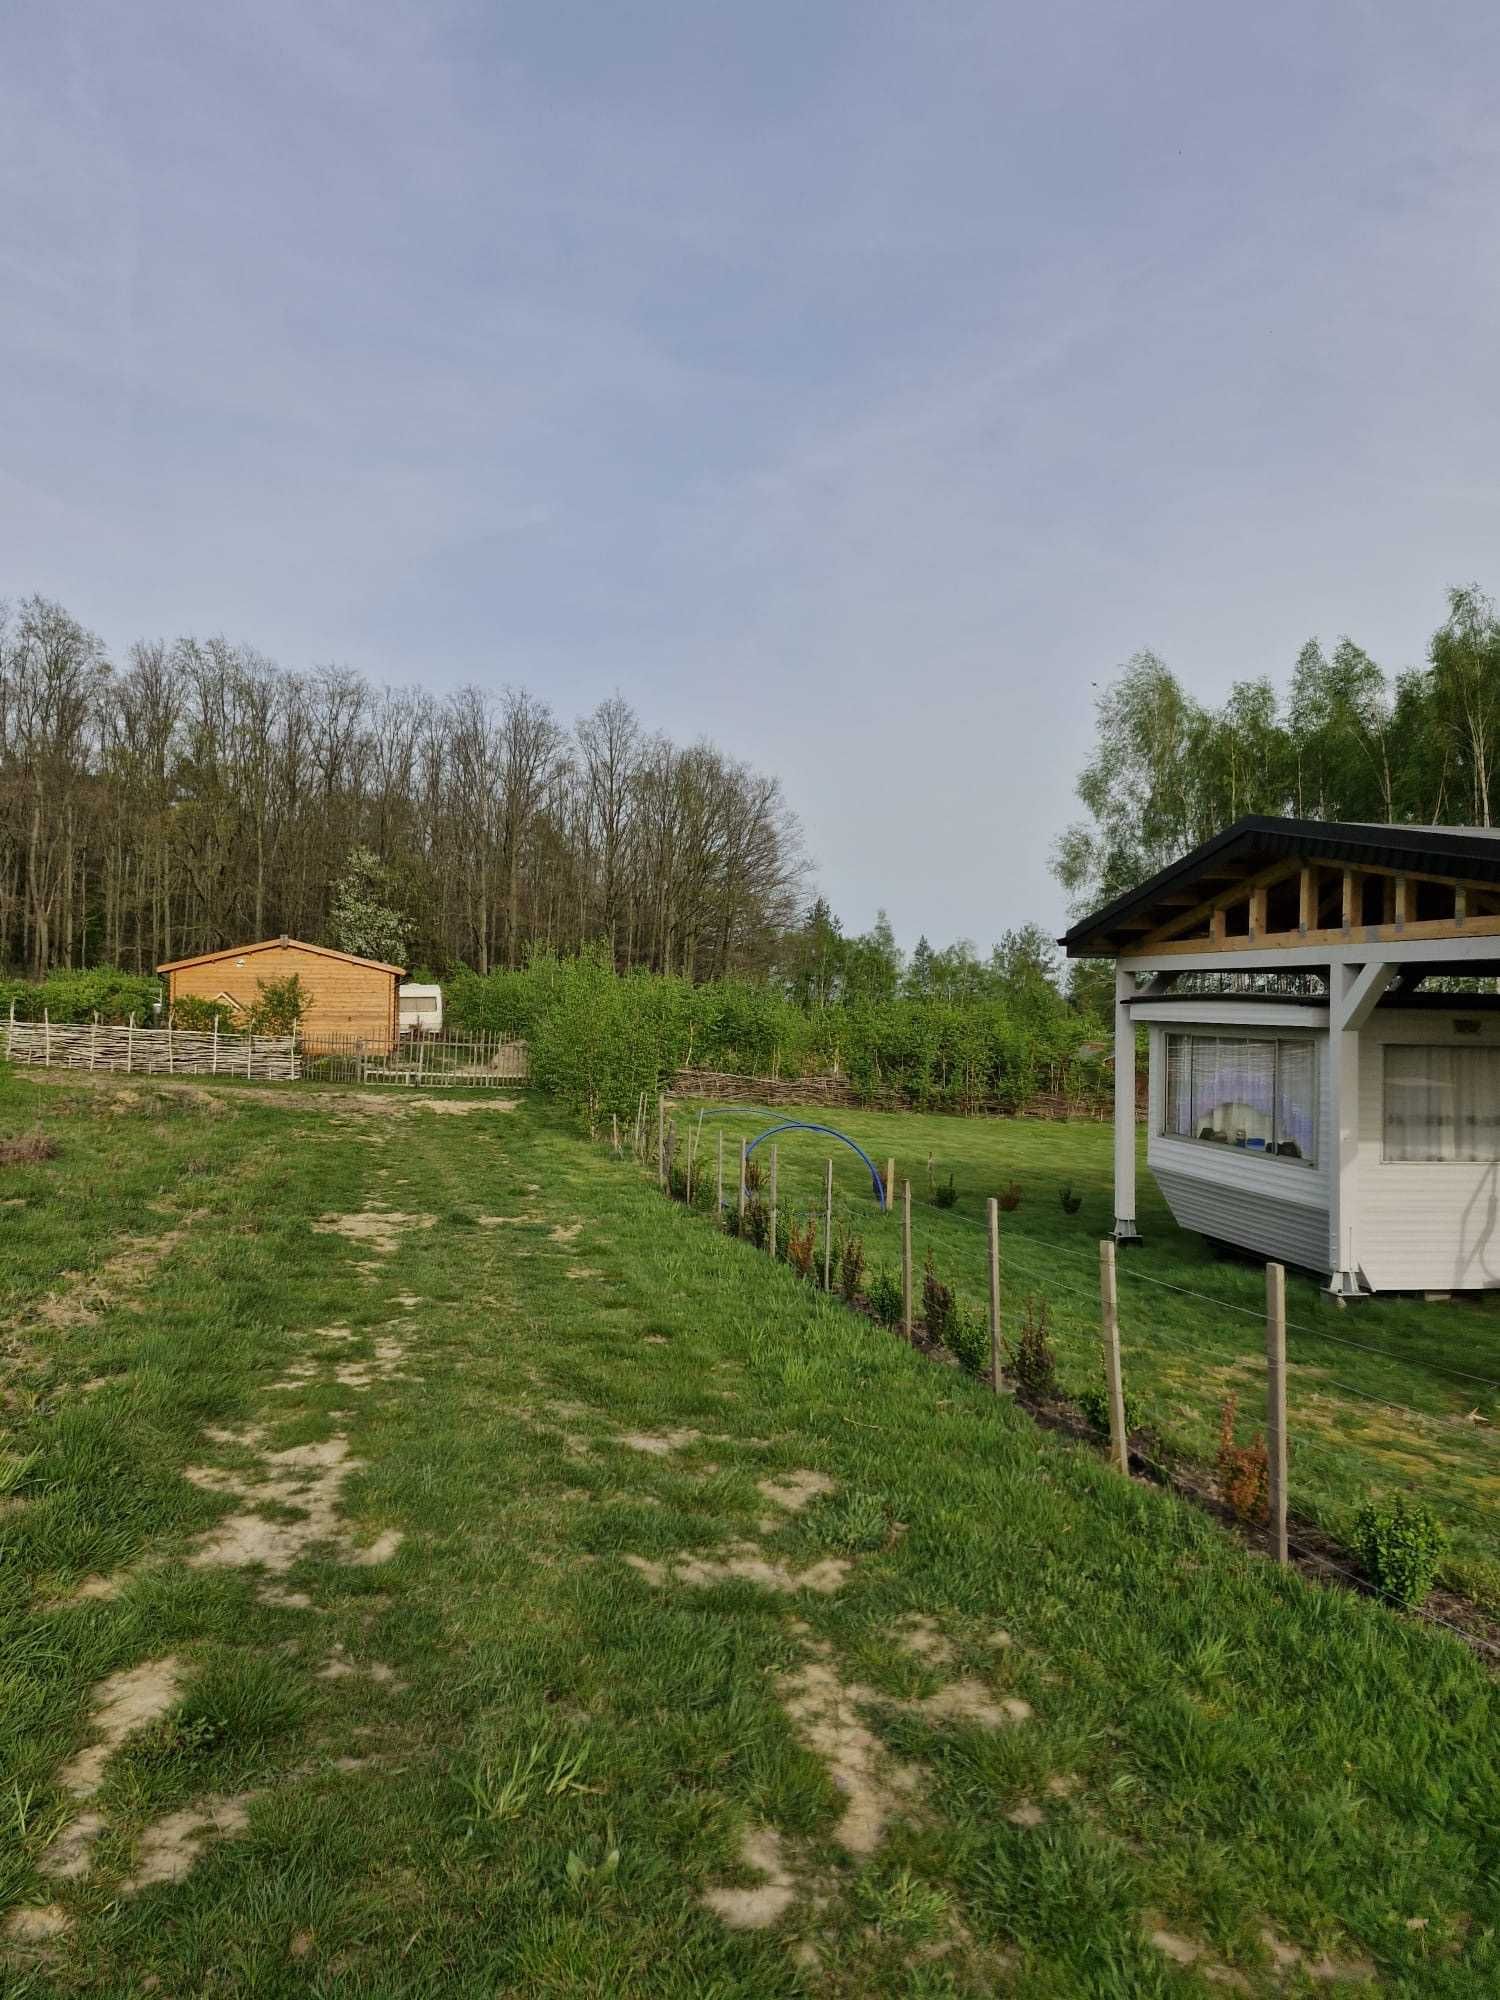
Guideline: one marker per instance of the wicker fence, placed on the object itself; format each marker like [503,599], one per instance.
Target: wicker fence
[149,1051]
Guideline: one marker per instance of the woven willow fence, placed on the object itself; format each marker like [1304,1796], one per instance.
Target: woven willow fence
[150,1051]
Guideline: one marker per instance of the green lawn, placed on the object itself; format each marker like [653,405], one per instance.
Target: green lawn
[1382,1397]
[434,1565]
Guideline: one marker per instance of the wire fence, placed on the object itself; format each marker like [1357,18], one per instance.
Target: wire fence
[1347,1445]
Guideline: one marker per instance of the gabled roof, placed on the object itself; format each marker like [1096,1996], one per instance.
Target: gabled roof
[279,944]
[1447,853]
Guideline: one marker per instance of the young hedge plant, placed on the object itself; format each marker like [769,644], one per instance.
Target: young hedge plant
[1400,1547]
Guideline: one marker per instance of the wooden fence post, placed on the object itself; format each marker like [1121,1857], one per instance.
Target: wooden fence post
[828,1226]
[890,1184]
[614,1126]
[1276,1403]
[130,1045]
[688,1170]
[771,1245]
[94,1043]
[249,1050]
[906,1304]
[46,1039]
[997,1369]
[744,1145]
[1110,1314]
[661,1140]
[719,1179]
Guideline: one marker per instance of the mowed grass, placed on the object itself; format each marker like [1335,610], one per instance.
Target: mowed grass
[1393,1395]
[476,1749]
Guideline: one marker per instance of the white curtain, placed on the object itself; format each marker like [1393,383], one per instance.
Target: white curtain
[1442,1103]
[1246,1091]
[1179,1120]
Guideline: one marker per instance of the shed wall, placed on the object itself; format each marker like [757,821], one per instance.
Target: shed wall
[347,998]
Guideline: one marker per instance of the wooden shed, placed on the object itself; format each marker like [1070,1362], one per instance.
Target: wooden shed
[350,997]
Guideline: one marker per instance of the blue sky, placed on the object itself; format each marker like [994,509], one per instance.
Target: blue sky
[858,385]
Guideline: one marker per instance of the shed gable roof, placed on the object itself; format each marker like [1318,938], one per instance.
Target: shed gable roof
[1257,842]
[280,944]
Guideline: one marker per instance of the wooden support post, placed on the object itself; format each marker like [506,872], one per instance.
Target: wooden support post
[94,1043]
[890,1184]
[214,1054]
[997,1366]
[1276,1404]
[744,1147]
[1110,1314]
[1307,914]
[906,1300]
[1460,905]
[828,1226]
[771,1239]
[1405,901]
[719,1191]
[1350,910]
[1257,913]
[250,1052]
[46,1038]
[614,1127]
[130,1045]
[661,1141]
[688,1171]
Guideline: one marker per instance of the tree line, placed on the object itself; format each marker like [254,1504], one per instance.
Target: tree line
[195,794]
[1346,741]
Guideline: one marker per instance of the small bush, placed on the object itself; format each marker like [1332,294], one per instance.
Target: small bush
[677,1180]
[1032,1357]
[280,1005]
[801,1246]
[755,1175]
[757,1223]
[969,1339]
[1093,1402]
[1071,1203]
[783,1234]
[1244,1469]
[939,1306]
[885,1298]
[1009,1197]
[1400,1547]
[851,1268]
[945,1194]
[27,1151]
[202,1016]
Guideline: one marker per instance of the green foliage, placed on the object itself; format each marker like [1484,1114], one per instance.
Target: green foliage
[363,918]
[280,1005]
[79,996]
[195,1012]
[1032,1357]
[1009,1197]
[969,1338]
[945,1194]
[757,1229]
[885,1298]
[1400,1547]
[1069,1201]
[1093,1403]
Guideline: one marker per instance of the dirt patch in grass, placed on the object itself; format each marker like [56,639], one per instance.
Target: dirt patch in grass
[759,1908]
[308,1478]
[123,1703]
[825,1716]
[170,1846]
[658,1444]
[744,1563]
[82,1303]
[380,1229]
[793,1490]
[29,1149]
[921,1638]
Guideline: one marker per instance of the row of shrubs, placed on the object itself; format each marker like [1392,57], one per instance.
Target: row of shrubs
[1400,1545]
[598,1038]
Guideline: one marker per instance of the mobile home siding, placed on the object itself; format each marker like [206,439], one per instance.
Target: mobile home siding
[1276,1208]
[1424,1225]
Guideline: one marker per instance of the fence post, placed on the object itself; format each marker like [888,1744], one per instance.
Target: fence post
[688,1170]
[1276,1403]
[890,1184]
[129,1044]
[997,1373]
[614,1123]
[214,1054]
[46,1039]
[771,1245]
[249,1051]
[744,1144]
[661,1140]
[906,1306]
[719,1182]
[94,1043]
[828,1226]
[1110,1314]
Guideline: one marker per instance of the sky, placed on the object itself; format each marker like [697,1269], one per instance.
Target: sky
[858,385]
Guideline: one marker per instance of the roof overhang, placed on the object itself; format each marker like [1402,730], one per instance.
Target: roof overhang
[1257,842]
[280,944]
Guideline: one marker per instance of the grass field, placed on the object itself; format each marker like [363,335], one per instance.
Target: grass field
[435,1565]
[1384,1397]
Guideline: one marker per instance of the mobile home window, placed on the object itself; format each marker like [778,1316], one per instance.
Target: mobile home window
[1250,1092]
[1441,1103]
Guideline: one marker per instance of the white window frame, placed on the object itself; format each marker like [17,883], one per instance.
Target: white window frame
[1277,1043]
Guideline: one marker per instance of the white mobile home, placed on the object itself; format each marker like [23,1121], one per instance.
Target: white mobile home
[1318,1093]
